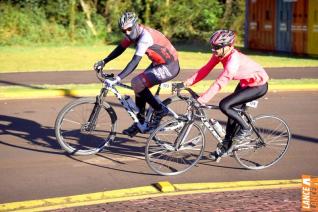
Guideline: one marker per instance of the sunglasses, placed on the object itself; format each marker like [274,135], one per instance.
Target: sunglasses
[215,48]
[129,29]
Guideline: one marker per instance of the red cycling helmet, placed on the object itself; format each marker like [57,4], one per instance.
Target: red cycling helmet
[222,38]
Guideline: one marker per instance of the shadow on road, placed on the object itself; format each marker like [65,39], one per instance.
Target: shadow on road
[207,162]
[305,138]
[66,92]
[121,153]
[118,162]
[32,136]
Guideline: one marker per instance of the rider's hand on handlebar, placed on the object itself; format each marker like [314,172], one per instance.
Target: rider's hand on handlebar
[98,66]
[111,81]
[187,84]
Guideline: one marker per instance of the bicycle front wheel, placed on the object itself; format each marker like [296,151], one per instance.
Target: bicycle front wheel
[262,153]
[165,157]
[77,135]
[177,105]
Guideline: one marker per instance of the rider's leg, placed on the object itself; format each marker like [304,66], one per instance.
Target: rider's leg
[221,150]
[231,126]
[231,123]
[140,85]
[137,84]
[154,75]
[141,104]
[239,97]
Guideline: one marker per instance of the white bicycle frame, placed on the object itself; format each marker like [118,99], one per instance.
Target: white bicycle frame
[207,124]
[132,113]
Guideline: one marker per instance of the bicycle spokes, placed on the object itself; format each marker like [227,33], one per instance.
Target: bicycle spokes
[169,154]
[267,146]
[81,130]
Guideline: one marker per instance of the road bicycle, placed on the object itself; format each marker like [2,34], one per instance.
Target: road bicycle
[87,125]
[177,145]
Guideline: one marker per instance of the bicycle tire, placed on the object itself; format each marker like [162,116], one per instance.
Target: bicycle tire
[179,106]
[162,156]
[260,155]
[176,104]
[70,131]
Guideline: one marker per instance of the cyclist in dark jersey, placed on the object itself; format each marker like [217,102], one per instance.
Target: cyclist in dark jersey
[164,66]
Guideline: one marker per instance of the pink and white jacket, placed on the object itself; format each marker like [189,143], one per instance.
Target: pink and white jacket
[237,66]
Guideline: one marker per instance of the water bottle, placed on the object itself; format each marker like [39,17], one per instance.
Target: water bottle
[131,104]
[218,128]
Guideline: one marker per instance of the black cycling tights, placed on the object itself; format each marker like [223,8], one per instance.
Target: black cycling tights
[237,99]
[143,97]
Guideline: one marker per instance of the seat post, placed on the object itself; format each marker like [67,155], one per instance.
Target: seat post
[158,90]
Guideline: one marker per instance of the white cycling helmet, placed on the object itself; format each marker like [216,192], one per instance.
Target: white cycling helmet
[222,38]
[128,23]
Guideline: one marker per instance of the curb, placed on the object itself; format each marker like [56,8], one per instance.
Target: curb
[80,90]
[156,190]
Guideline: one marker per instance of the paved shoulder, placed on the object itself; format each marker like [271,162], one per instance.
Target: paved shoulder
[86,77]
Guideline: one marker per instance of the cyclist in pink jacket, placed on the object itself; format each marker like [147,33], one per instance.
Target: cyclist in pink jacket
[237,66]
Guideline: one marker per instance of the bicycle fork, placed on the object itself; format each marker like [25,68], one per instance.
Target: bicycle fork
[91,123]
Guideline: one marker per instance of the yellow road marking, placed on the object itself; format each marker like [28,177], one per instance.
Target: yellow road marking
[165,186]
[144,192]
[50,91]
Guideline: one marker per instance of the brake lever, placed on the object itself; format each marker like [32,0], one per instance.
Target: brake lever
[176,87]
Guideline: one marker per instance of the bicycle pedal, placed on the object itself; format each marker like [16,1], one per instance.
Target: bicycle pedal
[131,135]
[131,132]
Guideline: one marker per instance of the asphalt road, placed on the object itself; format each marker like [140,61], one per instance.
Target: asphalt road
[34,167]
[84,77]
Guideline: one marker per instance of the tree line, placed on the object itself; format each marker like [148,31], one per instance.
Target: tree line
[85,21]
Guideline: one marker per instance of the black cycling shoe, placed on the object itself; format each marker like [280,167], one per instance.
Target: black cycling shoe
[132,130]
[158,115]
[221,151]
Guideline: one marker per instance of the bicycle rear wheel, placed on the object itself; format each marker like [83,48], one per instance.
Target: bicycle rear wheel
[162,154]
[260,154]
[74,132]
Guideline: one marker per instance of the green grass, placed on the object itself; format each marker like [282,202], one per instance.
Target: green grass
[77,90]
[50,58]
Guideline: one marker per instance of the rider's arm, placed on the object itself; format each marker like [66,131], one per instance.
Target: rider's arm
[130,67]
[230,70]
[118,50]
[203,72]
[115,53]
[143,44]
